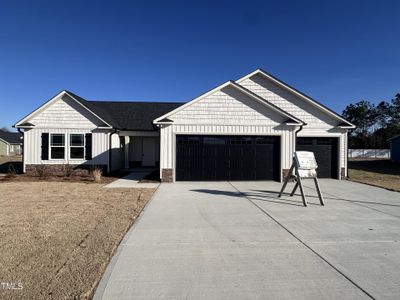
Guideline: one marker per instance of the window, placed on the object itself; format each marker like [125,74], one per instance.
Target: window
[189,140]
[214,141]
[264,140]
[241,141]
[77,146]
[57,146]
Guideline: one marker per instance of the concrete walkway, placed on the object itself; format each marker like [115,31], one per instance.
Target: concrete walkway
[132,181]
[224,240]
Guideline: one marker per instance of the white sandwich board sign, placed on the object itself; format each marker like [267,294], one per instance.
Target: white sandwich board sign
[304,166]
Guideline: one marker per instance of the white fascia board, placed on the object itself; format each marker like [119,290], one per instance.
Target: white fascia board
[282,84]
[4,141]
[157,121]
[295,124]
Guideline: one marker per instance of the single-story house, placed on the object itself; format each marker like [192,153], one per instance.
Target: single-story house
[246,129]
[395,148]
[10,143]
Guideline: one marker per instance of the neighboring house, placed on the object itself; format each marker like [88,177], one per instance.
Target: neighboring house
[395,148]
[10,143]
[242,130]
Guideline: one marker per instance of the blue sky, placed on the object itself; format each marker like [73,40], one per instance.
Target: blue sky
[336,51]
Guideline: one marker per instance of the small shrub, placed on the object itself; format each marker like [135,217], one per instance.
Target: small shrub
[41,171]
[67,170]
[96,173]
[11,172]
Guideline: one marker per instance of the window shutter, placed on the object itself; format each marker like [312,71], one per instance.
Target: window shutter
[88,146]
[45,146]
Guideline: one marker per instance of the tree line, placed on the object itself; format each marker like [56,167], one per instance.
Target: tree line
[375,123]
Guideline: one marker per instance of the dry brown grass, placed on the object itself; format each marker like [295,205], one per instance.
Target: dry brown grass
[381,173]
[56,238]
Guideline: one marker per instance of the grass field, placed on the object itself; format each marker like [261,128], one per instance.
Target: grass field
[380,172]
[56,238]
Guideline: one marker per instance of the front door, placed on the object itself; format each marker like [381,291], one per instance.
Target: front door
[149,152]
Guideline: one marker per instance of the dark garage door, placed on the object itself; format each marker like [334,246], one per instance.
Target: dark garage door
[227,157]
[325,151]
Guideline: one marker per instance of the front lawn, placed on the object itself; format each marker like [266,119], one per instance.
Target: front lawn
[56,238]
[378,172]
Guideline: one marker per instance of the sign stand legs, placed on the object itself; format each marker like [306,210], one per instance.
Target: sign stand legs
[321,199]
[296,176]
[286,180]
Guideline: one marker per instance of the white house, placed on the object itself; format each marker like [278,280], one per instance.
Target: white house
[246,129]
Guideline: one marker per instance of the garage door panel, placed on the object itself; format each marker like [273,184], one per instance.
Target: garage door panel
[227,158]
[325,152]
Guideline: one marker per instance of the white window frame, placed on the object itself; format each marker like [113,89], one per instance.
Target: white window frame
[70,146]
[50,146]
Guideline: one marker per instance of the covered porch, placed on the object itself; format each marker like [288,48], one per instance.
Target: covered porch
[137,150]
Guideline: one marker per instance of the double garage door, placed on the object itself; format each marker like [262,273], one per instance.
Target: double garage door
[227,157]
[211,158]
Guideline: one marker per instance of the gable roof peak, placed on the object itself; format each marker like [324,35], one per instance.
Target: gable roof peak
[296,92]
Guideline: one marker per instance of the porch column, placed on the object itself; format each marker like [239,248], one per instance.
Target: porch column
[126,146]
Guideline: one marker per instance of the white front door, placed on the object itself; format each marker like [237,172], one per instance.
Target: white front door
[149,152]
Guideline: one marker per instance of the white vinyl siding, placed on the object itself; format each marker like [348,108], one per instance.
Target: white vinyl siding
[227,107]
[32,140]
[289,102]
[64,113]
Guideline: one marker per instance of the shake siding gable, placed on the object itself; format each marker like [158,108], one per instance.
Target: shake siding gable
[64,113]
[227,107]
[289,102]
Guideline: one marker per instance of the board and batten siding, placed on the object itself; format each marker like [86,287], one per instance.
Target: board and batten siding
[225,112]
[33,140]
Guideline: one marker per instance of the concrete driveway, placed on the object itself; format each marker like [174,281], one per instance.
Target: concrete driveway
[237,240]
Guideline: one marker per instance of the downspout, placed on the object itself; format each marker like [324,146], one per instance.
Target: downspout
[295,135]
[110,151]
[23,147]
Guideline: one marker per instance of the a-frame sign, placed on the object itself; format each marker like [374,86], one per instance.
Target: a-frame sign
[304,167]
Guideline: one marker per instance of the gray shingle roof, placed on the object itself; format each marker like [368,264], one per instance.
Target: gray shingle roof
[128,115]
[11,137]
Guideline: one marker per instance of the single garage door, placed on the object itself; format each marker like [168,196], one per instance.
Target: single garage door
[227,157]
[325,151]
